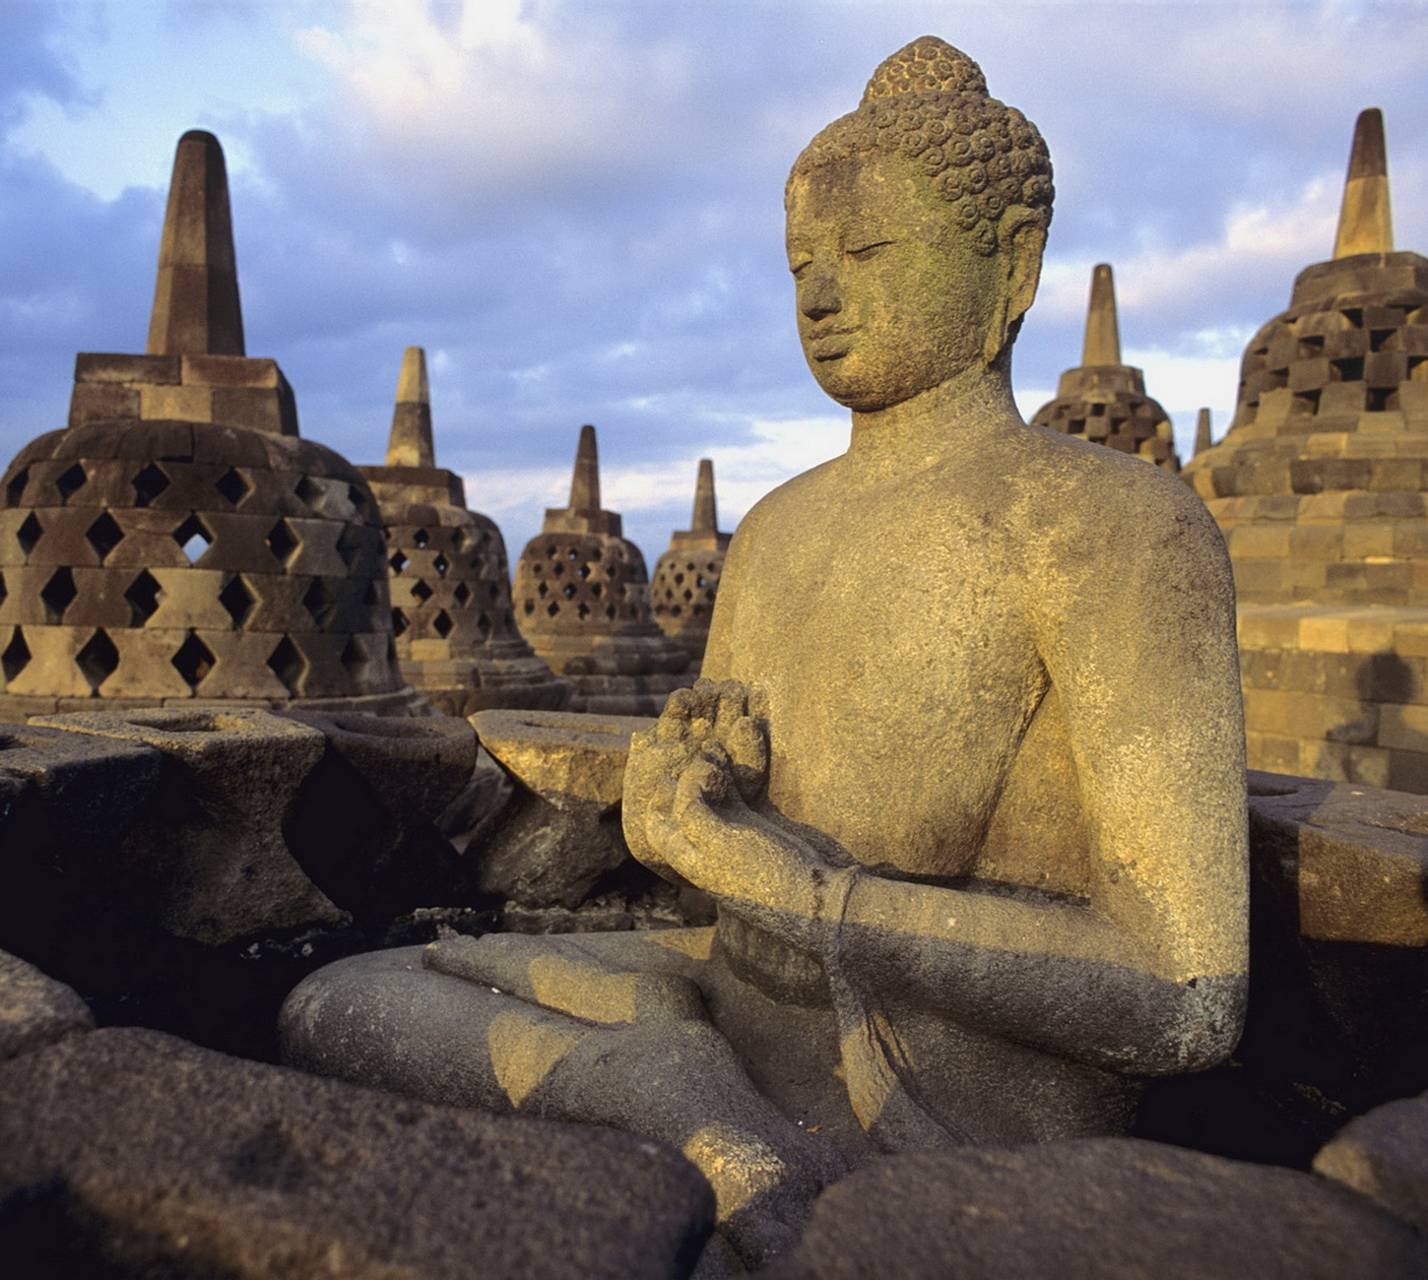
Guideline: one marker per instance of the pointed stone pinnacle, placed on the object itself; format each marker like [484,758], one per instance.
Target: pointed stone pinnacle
[1365,217]
[585,483]
[1203,439]
[1103,336]
[196,310]
[706,517]
[410,444]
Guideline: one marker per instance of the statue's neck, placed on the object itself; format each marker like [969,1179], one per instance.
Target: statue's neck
[952,418]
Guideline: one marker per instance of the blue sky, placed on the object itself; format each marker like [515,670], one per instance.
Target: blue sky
[576,205]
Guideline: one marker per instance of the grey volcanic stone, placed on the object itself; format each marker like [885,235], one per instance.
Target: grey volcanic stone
[35,1010]
[1102,1209]
[1384,1155]
[127,1152]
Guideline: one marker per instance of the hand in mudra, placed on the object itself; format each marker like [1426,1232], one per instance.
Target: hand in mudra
[708,750]
[691,813]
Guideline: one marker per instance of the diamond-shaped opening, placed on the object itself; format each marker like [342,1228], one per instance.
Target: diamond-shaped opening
[193,661]
[399,622]
[287,664]
[609,611]
[543,590]
[58,594]
[441,564]
[494,590]
[29,533]
[353,661]
[15,490]
[71,482]
[596,589]
[356,497]
[232,486]
[421,591]
[319,601]
[104,534]
[194,537]
[98,659]
[148,484]
[459,540]
[398,562]
[529,607]
[442,624]
[462,593]
[557,568]
[143,597]
[348,544]
[237,599]
[420,538]
[282,541]
[552,608]
[309,492]
[572,554]
[483,625]
[568,591]
[16,656]
[584,570]
[583,611]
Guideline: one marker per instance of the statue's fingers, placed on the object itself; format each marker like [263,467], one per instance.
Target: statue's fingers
[673,724]
[733,703]
[748,749]
[705,780]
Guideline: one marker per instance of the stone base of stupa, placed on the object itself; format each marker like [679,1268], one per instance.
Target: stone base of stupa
[1337,692]
[406,701]
[622,675]
[462,686]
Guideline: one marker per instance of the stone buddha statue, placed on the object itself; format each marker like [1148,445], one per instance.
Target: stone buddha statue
[979,853]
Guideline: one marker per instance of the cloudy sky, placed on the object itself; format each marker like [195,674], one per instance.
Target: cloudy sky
[576,205]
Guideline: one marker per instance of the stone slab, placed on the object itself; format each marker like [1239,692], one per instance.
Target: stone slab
[128,1152]
[1384,1155]
[1106,1209]
[35,1010]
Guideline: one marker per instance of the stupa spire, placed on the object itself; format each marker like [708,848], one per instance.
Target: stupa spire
[705,518]
[585,483]
[196,309]
[410,444]
[1202,432]
[1365,217]
[1103,335]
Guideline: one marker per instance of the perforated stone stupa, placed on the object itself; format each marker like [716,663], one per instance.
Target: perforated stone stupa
[456,633]
[1319,486]
[179,541]
[686,577]
[583,601]
[1103,399]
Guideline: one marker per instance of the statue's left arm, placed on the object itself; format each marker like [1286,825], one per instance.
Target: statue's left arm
[1149,974]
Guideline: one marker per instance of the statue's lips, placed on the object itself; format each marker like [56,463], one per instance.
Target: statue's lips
[831,344]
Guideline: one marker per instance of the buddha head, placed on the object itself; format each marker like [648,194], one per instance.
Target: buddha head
[916,226]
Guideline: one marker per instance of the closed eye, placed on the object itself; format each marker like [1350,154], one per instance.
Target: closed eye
[797,266]
[865,251]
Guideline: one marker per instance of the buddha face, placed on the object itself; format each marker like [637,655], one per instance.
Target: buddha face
[893,298]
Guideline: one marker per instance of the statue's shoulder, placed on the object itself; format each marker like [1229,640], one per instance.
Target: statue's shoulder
[1120,510]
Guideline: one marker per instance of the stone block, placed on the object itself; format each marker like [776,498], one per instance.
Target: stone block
[35,1010]
[218,869]
[1326,632]
[229,371]
[1108,1209]
[1404,728]
[191,404]
[1384,1155]
[105,367]
[127,1151]
[102,402]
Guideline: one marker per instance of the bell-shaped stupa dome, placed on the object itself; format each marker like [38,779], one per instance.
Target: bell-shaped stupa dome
[582,600]
[456,632]
[686,577]
[178,541]
[1103,399]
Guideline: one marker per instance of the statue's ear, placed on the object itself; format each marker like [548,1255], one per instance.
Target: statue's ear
[1021,236]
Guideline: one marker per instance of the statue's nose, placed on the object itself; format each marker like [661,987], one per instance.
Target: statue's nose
[818,296]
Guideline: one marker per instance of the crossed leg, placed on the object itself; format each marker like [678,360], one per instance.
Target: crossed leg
[605,1029]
